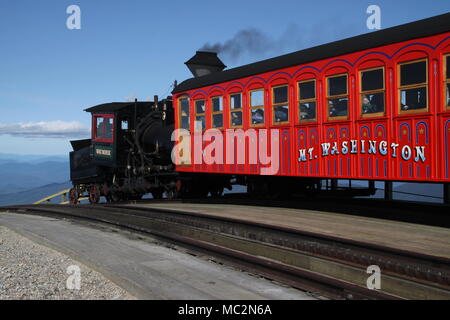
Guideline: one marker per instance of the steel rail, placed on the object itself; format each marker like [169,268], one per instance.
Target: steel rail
[421,268]
[212,235]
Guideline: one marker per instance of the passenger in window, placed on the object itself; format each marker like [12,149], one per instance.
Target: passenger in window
[281,114]
[333,111]
[236,119]
[307,111]
[217,121]
[338,107]
[257,116]
[184,120]
[413,99]
[367,106]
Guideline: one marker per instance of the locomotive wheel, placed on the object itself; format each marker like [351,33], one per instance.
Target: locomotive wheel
[106,191]
[73,196]
[94,194]
[115,193]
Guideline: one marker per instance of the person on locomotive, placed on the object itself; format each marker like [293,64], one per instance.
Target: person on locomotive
[104,128]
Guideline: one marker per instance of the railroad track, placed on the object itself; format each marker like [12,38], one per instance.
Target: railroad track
[328,266]
[432,214]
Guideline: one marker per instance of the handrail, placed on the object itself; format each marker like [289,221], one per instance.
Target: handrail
[62,193]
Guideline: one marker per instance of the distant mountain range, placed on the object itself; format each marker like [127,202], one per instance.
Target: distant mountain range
[30,158]
[24,172]
[33,195]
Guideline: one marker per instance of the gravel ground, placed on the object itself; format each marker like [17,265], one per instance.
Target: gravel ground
[32,271]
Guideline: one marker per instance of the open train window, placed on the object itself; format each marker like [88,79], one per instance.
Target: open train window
[307,101]
[257,107]
[236,110]
[447,81]
[104,127]
[217,112]
[200,106]
[280,104]
[372,92]
[413,86]
[183,105]
[337,97]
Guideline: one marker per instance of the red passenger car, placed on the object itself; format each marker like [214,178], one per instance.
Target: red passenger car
[372,107]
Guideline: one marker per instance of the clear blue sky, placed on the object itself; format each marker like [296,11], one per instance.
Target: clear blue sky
[128,48]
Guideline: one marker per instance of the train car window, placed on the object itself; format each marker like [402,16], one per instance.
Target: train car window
[124,125]
[280,104]
[337,97]
[104,128]
[447,65]
[257,107]
[236,110]
[200,113]
[217,112]
[372,92]
[307,100]
[183,104]
[447,81]
[413,86]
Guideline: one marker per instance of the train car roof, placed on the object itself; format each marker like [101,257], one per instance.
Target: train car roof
[116,106]
[405,32]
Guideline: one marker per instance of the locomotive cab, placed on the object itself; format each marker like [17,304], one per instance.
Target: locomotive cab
[121,130]
[112,126]
[103,139]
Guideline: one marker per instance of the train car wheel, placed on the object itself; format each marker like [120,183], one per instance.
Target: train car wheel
[94,194]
